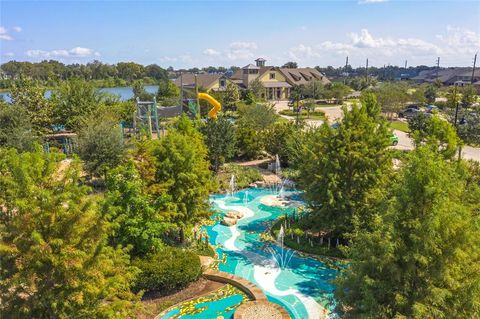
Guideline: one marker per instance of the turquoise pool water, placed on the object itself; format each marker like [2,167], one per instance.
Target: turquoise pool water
[218,304]
[303,287]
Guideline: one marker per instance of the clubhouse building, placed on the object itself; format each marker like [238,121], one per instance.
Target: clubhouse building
[276,81]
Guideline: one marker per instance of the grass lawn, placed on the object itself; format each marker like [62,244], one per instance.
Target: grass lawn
[326,105]
[401,126]
[316,115]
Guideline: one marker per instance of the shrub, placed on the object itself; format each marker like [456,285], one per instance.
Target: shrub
[168,270]
[244,176]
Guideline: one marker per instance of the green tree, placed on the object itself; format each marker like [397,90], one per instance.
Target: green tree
[469,128]
[430,94]
[74,101]
[290,65]
[249,97]
[167,89]
[15,128]
[392,98]
[340,166]
[54,261]
[220,139]
[31,98]
[434,132]
[280,138]
[257,88]
[139,91]
[136,221]
[337,91]
[182,172]
[130,71]
[100,145]
[469,96]
[314,90]
[421,258]
[231,96]
[259,116]
[156,72]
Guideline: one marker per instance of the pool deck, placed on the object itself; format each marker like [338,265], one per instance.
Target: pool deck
[271,310]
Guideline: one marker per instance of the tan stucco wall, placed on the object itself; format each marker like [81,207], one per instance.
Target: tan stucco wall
[278,77]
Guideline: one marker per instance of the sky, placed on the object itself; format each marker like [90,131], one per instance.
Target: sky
[186,34]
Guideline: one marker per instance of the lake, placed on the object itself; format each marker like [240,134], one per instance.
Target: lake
[125,93]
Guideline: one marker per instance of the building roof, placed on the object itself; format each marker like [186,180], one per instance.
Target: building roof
[300,76]
[203,80]
[444,75]
[261,59]
[250,67]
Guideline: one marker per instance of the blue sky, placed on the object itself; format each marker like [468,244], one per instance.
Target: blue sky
[224,33]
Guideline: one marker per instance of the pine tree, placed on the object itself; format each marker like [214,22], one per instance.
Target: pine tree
[340,166]
[220,139]
[421,260]
[231,96]
[53,259]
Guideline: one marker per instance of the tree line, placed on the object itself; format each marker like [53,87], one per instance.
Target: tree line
[52,72]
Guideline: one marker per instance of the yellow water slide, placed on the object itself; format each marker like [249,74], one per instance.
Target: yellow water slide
[211,100]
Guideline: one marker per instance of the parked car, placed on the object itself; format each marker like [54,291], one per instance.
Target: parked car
[431,109]
[394,139]
[408,113]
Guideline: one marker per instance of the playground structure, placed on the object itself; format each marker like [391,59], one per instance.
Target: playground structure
[65,141]
[213,102]
[148,114]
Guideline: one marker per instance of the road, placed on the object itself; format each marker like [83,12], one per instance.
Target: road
[334,113]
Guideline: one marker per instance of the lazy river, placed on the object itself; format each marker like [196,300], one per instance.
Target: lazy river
[302,286]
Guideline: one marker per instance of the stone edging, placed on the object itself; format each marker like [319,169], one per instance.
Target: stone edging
[240,312]
[246,286]
[256,294]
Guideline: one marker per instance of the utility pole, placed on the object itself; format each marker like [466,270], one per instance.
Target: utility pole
[456,105]
[384,72]
[473,71]
[438,65]
[366,71]
[345,70]
[196,96]
[181,90]
[406,64]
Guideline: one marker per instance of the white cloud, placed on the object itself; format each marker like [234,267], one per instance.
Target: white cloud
[9,54]
[4,34]
[460,40]
[185,58]
[455,46]
[236,51]
[371,1]
[211,52]
[17,29]
[241,50]
[364,44]
[302,52]
[77,52]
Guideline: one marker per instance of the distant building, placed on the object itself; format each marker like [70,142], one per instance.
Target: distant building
[450,76]
[277,82]
[209,82]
